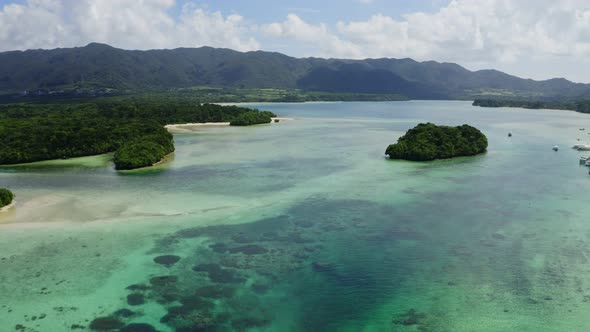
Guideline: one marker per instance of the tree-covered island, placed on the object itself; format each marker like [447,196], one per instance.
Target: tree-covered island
[133,130]
[428,141]
[6,197]
[582,106]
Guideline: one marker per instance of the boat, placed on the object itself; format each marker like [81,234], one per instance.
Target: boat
[581,147]
[587,163]
[583,160]
[555,148]
[509,134]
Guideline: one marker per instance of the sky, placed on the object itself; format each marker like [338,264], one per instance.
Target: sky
[537,39]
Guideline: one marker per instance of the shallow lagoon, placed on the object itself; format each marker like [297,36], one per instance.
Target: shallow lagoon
[304,226]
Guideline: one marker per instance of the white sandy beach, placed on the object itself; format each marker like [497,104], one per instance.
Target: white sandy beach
[276,102]
[182,126]
[189,127]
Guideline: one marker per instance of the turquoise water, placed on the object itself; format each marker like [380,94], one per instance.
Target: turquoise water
[305,226]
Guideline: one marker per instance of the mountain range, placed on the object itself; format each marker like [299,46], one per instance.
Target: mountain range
[100,66]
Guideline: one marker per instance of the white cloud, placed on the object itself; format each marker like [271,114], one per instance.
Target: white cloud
[477,31]
[319,36]
[212,29]
[135,24]
[37,25]
[512,35]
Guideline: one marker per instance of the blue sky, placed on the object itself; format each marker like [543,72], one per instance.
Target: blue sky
[537,39]
[330,11]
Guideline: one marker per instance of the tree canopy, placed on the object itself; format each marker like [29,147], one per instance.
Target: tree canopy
[582,106]
[428,141]
[34,132]
[6,197]
[142,152]
[252,118]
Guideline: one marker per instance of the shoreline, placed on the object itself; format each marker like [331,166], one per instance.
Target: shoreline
[174,128]
[8,207]
[178,127]
[164,159]
[184,127]
[198,124]
[278,102]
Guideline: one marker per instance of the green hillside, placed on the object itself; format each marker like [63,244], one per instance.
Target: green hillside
[98,69]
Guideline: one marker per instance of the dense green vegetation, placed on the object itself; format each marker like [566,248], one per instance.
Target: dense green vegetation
[143,152]
[252,118]
[97,69]
[6,197]
[34,132]
[582,106]
[208,94]
[429,141]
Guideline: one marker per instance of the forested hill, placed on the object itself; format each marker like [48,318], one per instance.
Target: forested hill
[99,67]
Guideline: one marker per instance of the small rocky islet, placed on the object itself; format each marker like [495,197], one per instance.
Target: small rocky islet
[428,141]
[6,197]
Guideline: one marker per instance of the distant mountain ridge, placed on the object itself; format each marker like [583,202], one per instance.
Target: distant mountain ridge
[100,66]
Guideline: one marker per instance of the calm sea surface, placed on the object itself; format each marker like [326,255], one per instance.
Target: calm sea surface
[303,225]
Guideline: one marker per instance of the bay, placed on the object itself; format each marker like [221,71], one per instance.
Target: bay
[304,225]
